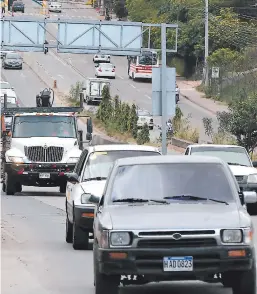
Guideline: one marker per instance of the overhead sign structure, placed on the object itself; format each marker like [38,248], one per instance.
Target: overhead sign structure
[98,37]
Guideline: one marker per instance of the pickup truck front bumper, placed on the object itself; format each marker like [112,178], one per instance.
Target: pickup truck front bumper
[149,262]
[38,174]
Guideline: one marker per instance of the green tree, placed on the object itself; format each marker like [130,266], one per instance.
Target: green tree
[133,121]
[105,109]
[143,135]
[120,8]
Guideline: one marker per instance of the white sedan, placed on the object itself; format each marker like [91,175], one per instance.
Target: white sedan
[101,58]
[144,117]
[55,7]
[105,70]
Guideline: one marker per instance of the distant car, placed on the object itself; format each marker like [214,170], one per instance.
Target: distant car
[144,117]
[18,6]
[12,60]
[3,53]
[101,58]
[105,70]
[6,88]
[55,7]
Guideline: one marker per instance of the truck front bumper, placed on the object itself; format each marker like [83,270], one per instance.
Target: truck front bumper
[149,262]
[39,174]
[84,217]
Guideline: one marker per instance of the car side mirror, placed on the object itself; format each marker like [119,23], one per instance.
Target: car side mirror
[250,197]
[89,126]
[72,177]
[255,164]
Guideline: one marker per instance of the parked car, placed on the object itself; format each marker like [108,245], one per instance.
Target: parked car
[89,178]
[7,89]
[55,6]
[144,117]
[168,218]
[18,6]
[239,162]
[12,60]
[105,70]
[101,58]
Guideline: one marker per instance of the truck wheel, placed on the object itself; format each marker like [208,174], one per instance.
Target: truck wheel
[103,282]
[245,282]
[18,187]
[3,187]
[80,238]
[69,232]
[9,185]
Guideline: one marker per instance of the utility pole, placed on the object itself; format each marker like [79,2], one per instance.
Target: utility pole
[206,69]
[164,87]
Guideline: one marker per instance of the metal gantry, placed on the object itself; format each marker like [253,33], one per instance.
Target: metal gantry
[93,37]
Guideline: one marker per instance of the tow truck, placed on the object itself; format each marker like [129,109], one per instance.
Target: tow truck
[41,144]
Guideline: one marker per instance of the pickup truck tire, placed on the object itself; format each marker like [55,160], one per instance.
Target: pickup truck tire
[245,282]
[18,187]
[80,238]
[104,283]
[63,187]
[9,185]
[69,232]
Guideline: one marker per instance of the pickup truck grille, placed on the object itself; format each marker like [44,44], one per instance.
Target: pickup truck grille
[171,243]
[41,154]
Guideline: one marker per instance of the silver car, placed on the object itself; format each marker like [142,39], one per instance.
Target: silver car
[12,61]
[168,218]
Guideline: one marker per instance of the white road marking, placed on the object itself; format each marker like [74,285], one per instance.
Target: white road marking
[148,97]
[52,40]
[61,76]
[59,59]
[121,77]
[132,86]
[11,235]
[23,75]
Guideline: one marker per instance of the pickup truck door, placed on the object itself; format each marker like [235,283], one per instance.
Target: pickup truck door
[70,186]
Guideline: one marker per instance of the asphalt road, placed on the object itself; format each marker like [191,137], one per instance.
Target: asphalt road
[67,69]
[36,258]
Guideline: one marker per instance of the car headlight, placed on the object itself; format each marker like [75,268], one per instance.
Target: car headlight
[120,239]
[232,236]
[73,160]
[85,197]
[252,179]
[16,159]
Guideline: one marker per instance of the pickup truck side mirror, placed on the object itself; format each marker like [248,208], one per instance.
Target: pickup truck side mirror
[89,126]
[72,177]
[80,139]
[250,197]
[255,164]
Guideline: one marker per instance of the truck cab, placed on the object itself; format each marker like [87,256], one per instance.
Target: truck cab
[93,90]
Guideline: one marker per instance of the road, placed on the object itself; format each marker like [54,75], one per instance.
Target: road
[36,259]
[67,69]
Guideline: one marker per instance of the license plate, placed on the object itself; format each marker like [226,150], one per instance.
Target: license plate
[44,176]
[178,264]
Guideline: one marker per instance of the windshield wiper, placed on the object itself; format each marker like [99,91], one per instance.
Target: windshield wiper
[194,198]
[235,163]
[94,179]
[140,200]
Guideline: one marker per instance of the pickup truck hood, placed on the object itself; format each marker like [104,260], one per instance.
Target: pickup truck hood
[94,187]
[174,216]
[242,170]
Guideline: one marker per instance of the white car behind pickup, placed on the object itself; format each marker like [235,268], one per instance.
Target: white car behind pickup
[101,58]
[144,117]
[55,7]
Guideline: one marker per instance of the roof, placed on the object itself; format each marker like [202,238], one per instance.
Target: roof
[168,159]
[215,146]
[45,114]
[116,147]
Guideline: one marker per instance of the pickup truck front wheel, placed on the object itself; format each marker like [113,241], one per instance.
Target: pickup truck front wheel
[10,185]
[105,283]
[80,238]
[245,282]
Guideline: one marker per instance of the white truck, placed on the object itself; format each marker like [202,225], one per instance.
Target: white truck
[44,143]
[93,90]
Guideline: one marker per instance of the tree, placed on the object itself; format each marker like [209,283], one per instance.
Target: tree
[133,121]
[105,109]
[143,135]
[120,8]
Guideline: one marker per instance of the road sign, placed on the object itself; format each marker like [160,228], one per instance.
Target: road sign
[215,72]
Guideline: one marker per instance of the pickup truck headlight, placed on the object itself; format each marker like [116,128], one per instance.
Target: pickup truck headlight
[16,159]
[85,197]
[252,179]
[73,160]
[232,236]
[120,239]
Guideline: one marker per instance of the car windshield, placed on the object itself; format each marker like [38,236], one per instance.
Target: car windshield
[172,181]
[231,155]
[5,85]
[44,126]
[13,56]
[99,163]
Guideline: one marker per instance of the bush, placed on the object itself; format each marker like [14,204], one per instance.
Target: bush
[182,129]
[143,135]
[116,116]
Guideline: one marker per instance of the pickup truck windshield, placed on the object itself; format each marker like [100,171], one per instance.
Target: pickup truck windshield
[44,126]
[100,163]
[171,181]
[231,155]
